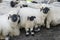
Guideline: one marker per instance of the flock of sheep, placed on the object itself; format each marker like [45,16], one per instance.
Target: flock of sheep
[16,14]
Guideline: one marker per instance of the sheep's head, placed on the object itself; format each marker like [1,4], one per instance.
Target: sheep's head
[13,4]
[45,10]
[34,2]
[14,18]
[31,18]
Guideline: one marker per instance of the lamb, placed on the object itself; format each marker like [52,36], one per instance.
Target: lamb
[9,25]
[31,17]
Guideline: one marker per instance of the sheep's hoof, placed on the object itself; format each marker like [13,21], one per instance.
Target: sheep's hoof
[32,33]
[27,34]
[37,29]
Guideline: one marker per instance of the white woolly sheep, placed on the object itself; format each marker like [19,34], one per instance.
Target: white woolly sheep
[9,25]
[31,17]
[53,17]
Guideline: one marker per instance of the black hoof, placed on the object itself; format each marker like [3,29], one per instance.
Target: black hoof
[32,33]
[27,34]
[37,29]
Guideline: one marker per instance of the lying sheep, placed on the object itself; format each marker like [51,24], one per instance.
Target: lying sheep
[53,17]
[8,25]
[31,17]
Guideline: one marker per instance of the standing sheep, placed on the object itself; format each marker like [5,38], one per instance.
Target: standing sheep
[31,17]
[52,15]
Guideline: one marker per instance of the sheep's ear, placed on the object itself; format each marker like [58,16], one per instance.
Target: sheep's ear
[28,18]
[9,16]
[17,14]
[41,9]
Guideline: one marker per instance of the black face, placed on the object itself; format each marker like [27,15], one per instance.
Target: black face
[14,18]
[45,10]
[31,18]
[25,5]
[34,2]
[12,4]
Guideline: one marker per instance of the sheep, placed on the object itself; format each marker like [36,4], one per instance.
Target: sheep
[53,17]
[9,24]
[31,17]
[24,22]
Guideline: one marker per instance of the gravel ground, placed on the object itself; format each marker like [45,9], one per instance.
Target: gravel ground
[44,34]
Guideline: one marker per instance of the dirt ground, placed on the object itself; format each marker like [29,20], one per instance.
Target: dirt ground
[44,34]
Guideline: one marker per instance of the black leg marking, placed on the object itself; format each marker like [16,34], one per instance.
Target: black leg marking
[37,29]
[27,32]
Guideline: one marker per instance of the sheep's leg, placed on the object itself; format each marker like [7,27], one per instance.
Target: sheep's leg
[37,28]
[32,31]
[27,31]
[16,32]
[48,24]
